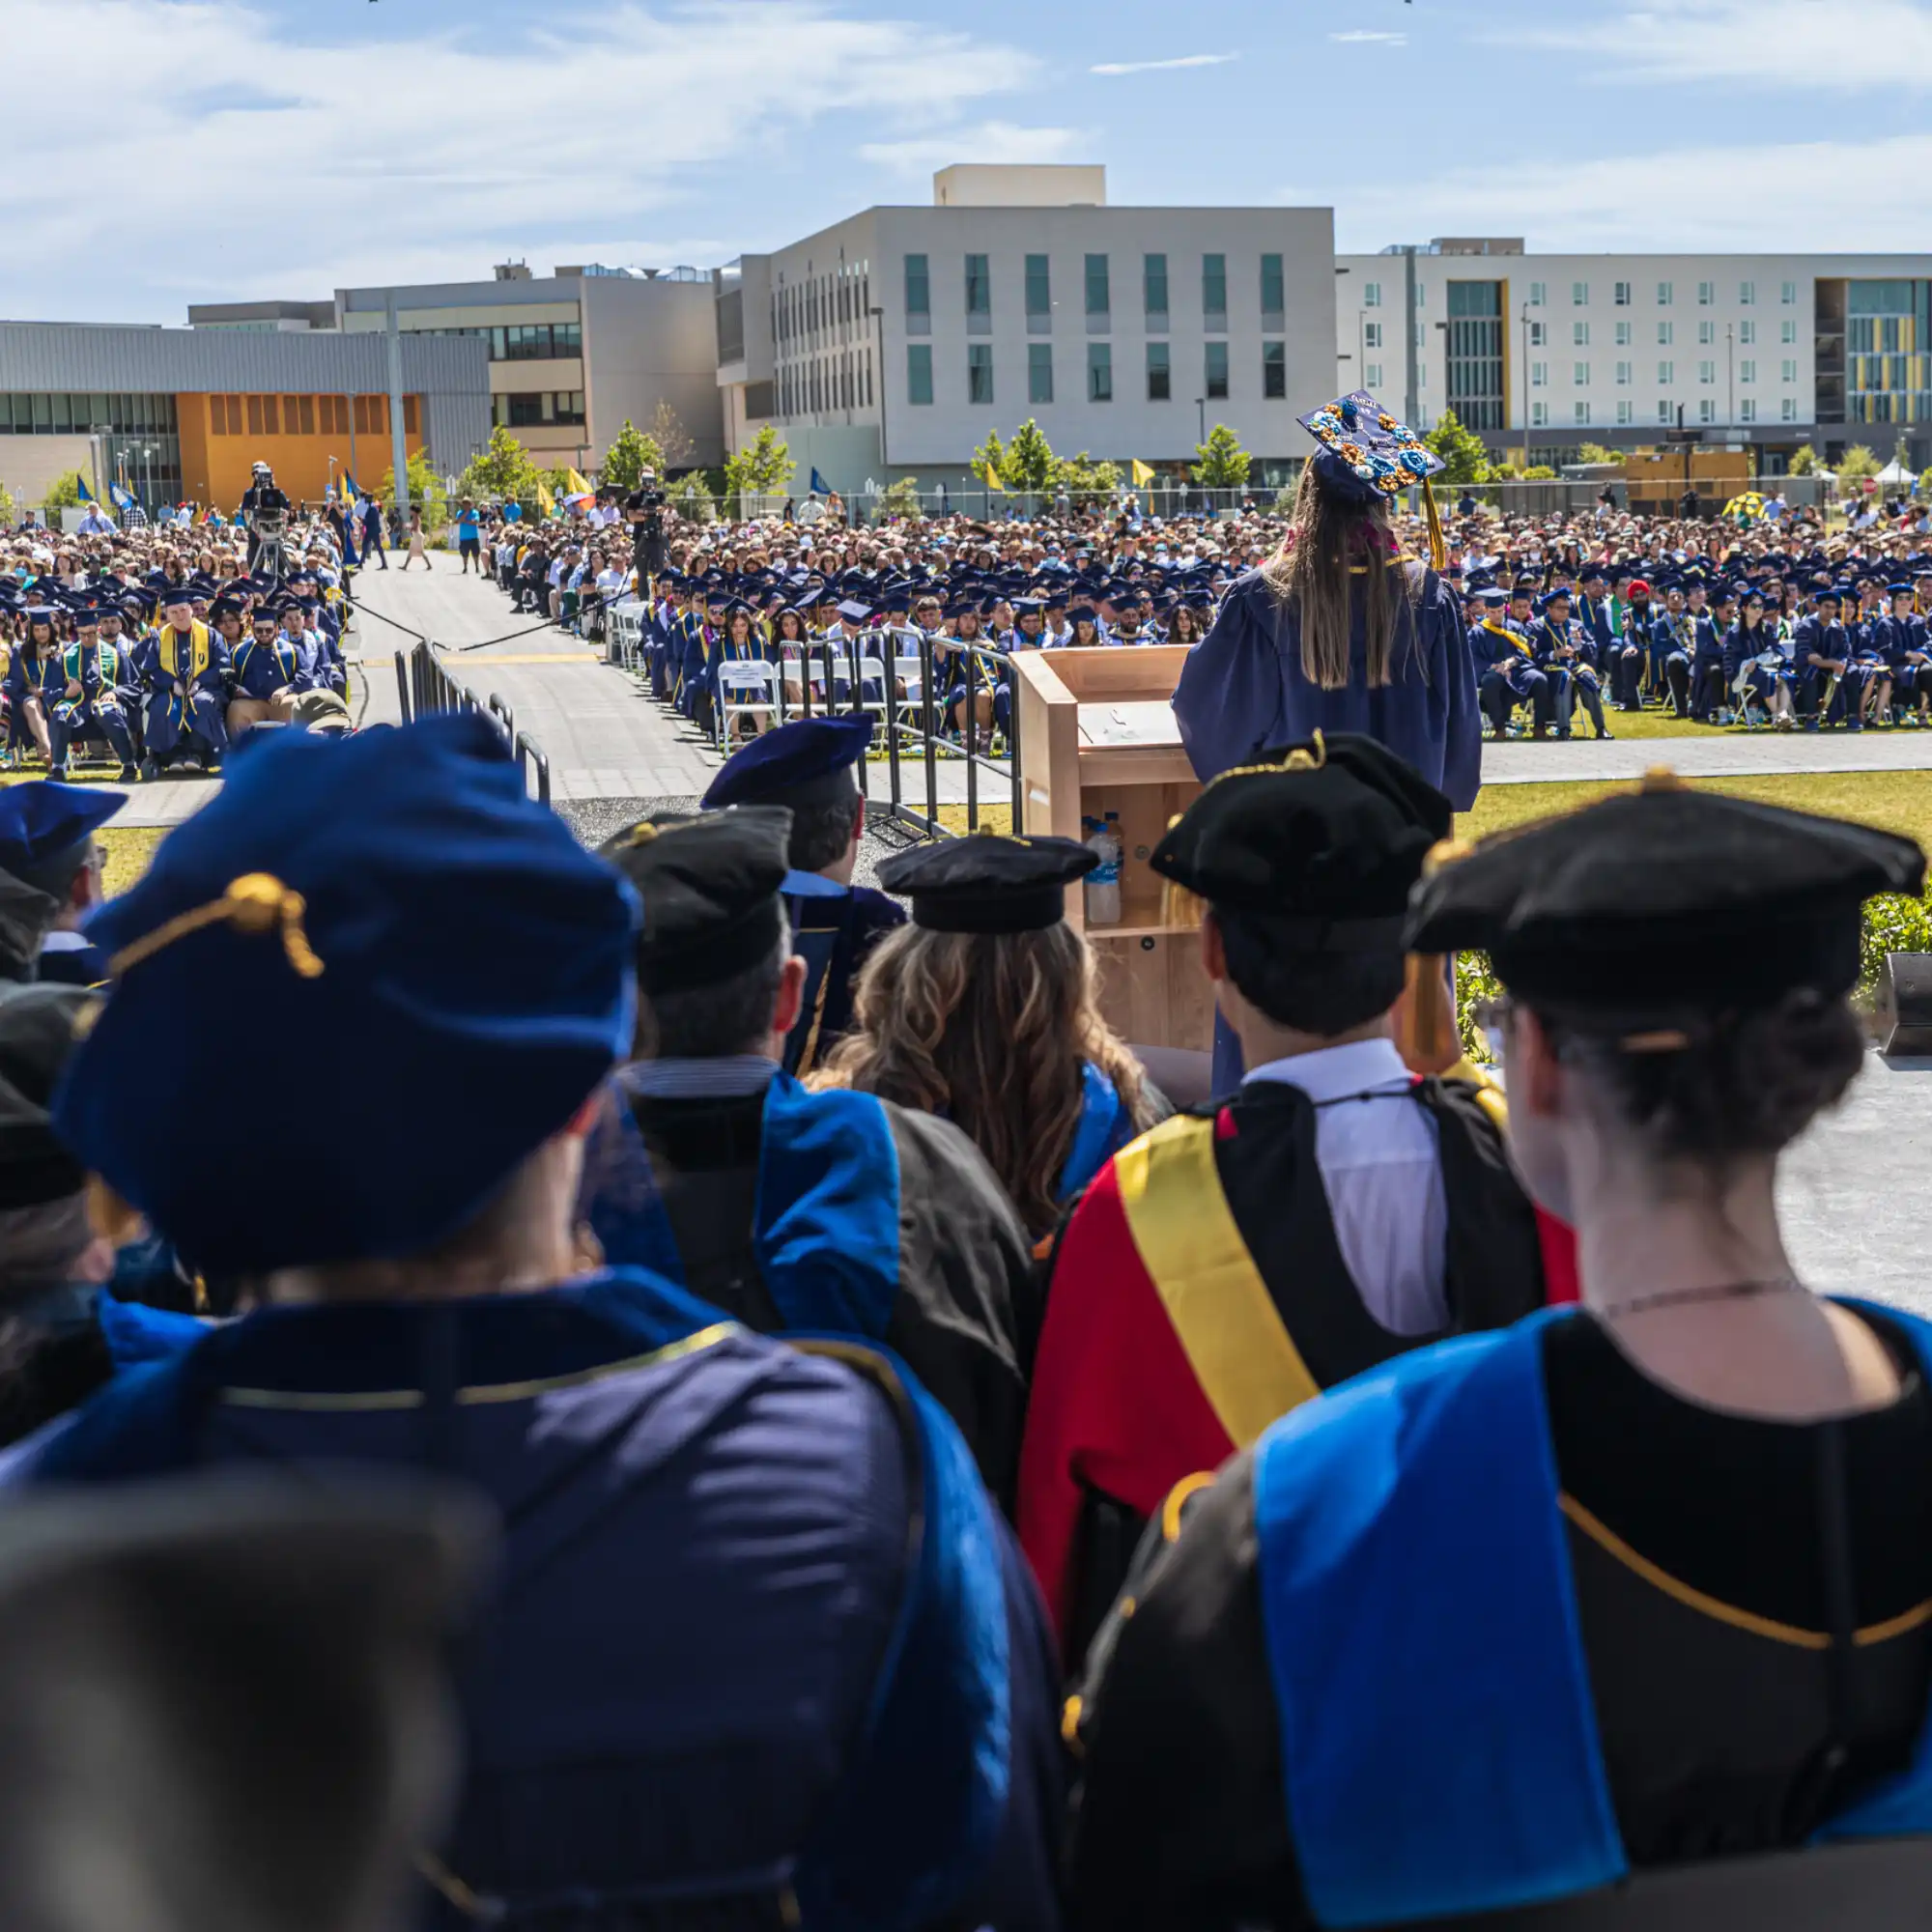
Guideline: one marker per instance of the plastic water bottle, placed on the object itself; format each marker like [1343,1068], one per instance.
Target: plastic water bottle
[1103,882]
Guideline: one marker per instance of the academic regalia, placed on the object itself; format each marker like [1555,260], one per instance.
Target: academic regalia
[70,965]
[46,834]
[97,668]
[43,677]
[283,663]
[189,719]
[834,930]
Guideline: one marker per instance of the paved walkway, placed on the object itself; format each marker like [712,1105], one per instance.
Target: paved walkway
[1719,754]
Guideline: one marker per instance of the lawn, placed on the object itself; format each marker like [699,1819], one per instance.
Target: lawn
[129,849]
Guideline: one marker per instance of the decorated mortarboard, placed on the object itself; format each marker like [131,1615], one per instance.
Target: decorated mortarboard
[801,764]
[396,889]
[1367,456]
[37,1035]
[987,883]
[1664,903]
[1320,841]
[45,829]
[855,612]
[710,889]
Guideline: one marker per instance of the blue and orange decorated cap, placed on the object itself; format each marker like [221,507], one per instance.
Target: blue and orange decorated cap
[395,895]
[1365,451]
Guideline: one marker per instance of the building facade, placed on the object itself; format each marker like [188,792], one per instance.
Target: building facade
[183,413]
[1541,353]
[890,344]
[571,356]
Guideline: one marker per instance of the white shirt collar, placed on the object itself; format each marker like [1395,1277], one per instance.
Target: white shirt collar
[1333,1073]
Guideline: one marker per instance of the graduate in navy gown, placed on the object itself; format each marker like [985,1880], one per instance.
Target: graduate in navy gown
[185,671]
[759,1650]
[50,875]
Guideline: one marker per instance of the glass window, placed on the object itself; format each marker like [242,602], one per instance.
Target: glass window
[63,413]
[1372,295]
[979,286]
[1623,374]
[1272,285]
[1707,410]
[1788,295]
[1788,410]
[1706,371]
[1039,372]
[1038,286]
[1582,412]
[1666,334]
[1622,294]
[1579,334]
[1623,335]
[1153,280]
[1665,413]
[1539,293]
[1581,378]
[1747,332]
[1667,293]
[1747,371]
[1215,289]
[1788,369]
[1100,296]
[1274,372]
[980,372]
[1217,372]
[1539,416]
[1625,412]
[1372,335]
[1538,334]
[1539,375]
[1707,293]
[1579,294]
[919,373]
[1707,333]
[1100,369]
[1666,371]
[918,288]
[568,339]
[1746,294]
[1787,331]
[1371,375]
[1159,374]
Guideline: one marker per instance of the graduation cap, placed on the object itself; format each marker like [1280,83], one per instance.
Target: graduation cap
[987,883]
[47,830]
[805,763]
[855,612]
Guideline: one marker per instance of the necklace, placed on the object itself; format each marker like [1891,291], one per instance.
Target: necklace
[1729,1291]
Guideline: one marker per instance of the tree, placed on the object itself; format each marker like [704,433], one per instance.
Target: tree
[1224,464]
[1464,459]
[628,456]
[1031,463]
[1538,473]
[989,462]
[63,493]
[673,440]
[1924,487]
[426,491]
[1804,461]
[901,497]
[1858,464]
[503,470]
[1597,452]
[1084,480]
[691,496]
[761,468]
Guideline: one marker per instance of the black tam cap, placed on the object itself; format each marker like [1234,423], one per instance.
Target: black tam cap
[1665,900]
[37,1029]
[987,883]
[1322,841]
[710,891]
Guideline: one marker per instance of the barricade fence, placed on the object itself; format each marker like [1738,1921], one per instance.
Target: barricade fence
[425,687]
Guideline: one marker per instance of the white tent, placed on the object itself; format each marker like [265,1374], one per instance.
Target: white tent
[1895,472]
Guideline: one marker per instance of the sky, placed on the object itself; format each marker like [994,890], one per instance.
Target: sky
[285,147]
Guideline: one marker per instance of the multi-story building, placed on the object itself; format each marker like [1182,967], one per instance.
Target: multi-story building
[169,413]
[890,344]
[1545,353]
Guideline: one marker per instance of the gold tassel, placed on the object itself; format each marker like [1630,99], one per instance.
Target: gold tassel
[1426,1034]
[1438,551]
[1179,907]
[112,1218]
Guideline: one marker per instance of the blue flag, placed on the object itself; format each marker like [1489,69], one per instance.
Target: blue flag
[122,499]
[86,494]
[818,483]
[350,492]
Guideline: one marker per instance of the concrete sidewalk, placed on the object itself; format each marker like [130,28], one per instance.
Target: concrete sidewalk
[1722,753]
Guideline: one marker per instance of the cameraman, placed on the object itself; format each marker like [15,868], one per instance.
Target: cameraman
[265,511]
[645,512]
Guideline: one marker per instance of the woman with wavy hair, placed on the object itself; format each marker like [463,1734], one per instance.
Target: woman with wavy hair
[985,1010]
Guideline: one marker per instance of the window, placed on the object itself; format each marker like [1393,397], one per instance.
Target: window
[1622,294]
[1372,295]
[1539,375]
[1214,291]
[978,296]
[530,409]
[1274,372]
[1539,294]
[1707,410]
[1217,372]
[1747,409]
[1160,376]
[919,373]
[1667,293]
[1371,375]
[1788,369]
[1372,335]
[1582,412]
[1623,335]
[1665,413]
[978,372]
[1153,286]
[1788,410]
[1272,292]
[1706,371]
[1579,294]
[1581,378]
[1623,374]
[306,413]
[1625,413]
[1787,331]
[1579,334]
[1747,371]
[1039,372]
[271,423]
[1746,294]
[918,300]
[1421,294]
[1539,416]
[1539,335]
[1666,334]
[1707,293]
[1039,295]
[1667,373]
[1788,295]
[1099,299]
[1707,334]
[1099,372]
[1747,332]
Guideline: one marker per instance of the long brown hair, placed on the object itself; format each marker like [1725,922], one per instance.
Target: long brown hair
[990,1029]
[1331,546]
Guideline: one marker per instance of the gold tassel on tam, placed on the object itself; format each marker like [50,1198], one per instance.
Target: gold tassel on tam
[1438,550]
[1179,907]
[1426,1034]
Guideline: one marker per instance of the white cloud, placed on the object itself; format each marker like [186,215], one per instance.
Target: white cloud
[1882,44]
[262,161]
[921,154]
[1163,65]
[1367,37]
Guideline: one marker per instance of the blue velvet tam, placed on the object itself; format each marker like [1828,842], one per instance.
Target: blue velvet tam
[1365,452]
[797,764]
[45,827]
[447,970]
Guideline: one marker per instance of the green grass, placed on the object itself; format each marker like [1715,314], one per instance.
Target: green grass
[129,851]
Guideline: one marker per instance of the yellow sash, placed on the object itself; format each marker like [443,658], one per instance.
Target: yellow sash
[198,650]
[1508,636]
[1235,1340]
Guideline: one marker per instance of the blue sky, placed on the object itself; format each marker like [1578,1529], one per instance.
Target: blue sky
[289,147]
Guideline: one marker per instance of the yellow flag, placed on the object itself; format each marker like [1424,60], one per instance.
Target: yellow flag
[578,486]
[993,478]
[1143,473]
[545,502]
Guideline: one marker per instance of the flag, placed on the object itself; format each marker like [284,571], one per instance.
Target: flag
[123,500]
[1143,473]
[578,485]
[819,485]
[351,491]
[86,494]
[545,502]
[993,478]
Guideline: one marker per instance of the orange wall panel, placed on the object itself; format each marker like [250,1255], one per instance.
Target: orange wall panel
[219,452]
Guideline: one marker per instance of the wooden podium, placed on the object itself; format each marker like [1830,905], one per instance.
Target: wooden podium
[1100,737]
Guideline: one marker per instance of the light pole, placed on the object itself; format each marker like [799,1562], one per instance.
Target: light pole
[885,461]
[1201,409]
[1525,386]
[1730,375]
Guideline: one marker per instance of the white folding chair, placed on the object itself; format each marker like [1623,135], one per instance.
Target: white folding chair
[746,687]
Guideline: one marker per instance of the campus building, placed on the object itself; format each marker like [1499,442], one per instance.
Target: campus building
[890,344]
[1541,353]
[182,414]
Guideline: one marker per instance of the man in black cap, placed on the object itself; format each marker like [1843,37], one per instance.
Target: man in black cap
[792,1210]
[1229,1265]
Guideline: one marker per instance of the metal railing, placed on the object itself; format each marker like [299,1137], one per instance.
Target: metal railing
[425,687]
